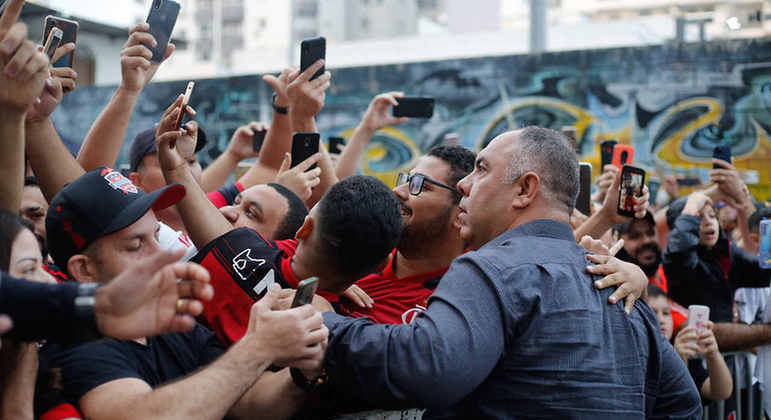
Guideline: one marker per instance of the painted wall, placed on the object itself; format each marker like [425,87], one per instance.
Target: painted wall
[674,103]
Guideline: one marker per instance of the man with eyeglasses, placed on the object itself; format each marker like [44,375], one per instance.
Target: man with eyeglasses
[429,241]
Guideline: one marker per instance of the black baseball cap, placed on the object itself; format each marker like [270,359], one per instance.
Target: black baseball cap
[100,202]
[623,228]
[144,144]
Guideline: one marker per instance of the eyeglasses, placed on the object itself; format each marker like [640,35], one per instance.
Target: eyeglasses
[416,183]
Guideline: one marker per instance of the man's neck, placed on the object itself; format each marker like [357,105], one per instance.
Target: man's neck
[436,256]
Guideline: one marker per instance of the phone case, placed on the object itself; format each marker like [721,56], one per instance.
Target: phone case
[52,43]
[162,18]
[623,155]
[583,202]
[305,291]
[69,30]
[334,142]
[723,153]
[304,145]
[606,153]
[632,181]
[698,316]
[311,50]
[414,107]
[765,243]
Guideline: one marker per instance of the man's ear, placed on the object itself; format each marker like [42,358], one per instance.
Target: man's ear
[455,217]
[526,190]
[306,229]
[82,269]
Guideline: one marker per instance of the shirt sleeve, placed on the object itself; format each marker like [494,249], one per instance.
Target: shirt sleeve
[39,310]
[439,358]
[225,195]
[677,396]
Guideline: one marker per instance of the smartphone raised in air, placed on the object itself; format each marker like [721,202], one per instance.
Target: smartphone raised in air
[258,139]
[623,155]
[334,144]
[698,316]
[606,153]
[723,153]
[415,107]
[632,181]
[185,102]
[52,43]
[161,18]
[304,145]
[69,30]
[311,51]
[584,200]
[305,291]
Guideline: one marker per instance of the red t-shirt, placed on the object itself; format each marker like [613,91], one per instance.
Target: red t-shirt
[225,195]
[397,300]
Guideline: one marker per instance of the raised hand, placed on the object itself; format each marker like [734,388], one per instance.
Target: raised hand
[136,68]
[695,203]
[306,96]
[175,146]
[610,205]
[686,343]
[299,179]
[730,184]
[154,296]
[280,83]
[241,144]
[604,181]
[23,68]
[378,116]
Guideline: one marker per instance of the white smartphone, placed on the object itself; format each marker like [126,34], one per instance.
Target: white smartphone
[698,316]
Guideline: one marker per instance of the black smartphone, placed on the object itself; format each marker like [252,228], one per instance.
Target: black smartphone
[304,145]
[606,153]
[632,181]
[162,18]
[305,291]
[723,153]
[334,143]
[52,43]
[653,188]
[584,200]
[414,107]
[311,51]
[258,139]
[69,30]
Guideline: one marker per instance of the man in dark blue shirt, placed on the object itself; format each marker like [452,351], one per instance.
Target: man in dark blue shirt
[516,328]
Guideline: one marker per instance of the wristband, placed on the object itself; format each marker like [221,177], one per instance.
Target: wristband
[84,311]
[279,109]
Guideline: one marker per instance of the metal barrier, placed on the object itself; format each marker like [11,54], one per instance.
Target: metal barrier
[745,382]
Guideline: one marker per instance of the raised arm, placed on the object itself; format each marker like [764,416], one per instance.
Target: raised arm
[376,117]
[201,218]
[23,72]
[240,147]
[102,143]
[607,216]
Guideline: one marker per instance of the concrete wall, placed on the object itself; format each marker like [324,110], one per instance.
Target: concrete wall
[674,103]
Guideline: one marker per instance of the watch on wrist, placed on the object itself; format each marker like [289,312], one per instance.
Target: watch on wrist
[279,109]
[308,385]
[83,310]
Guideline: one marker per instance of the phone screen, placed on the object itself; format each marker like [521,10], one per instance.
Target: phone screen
[632,180]
[414,107]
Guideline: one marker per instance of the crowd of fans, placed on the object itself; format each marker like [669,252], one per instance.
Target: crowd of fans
[474,288]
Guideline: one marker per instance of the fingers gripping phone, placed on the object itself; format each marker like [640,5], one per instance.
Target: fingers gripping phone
[583,202]
[304,145]
[52,43]
[311,51]
[305,291]
[622,155]
[632,181]
[162,18]
[185,102]
[334,144]
[723,153]
[414,107]
[69,30]
[606,153]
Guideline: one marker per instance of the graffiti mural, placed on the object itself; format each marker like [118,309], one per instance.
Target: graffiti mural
[673,103]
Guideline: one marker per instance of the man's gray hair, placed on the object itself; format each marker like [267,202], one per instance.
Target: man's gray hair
[549,154]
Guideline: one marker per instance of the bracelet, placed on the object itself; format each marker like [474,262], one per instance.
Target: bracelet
[279,109]
[308,385]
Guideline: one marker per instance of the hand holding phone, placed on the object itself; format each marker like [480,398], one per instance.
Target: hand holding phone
[415,107]
[162,18]
[311,51]
[305,291]
[69,34]
[631,188]
[185,102]
[304,145]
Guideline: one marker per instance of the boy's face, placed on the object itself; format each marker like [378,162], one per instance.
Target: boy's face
[709,229]
[661,308]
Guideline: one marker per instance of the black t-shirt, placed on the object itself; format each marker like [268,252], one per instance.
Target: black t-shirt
[698,373]
[165,358]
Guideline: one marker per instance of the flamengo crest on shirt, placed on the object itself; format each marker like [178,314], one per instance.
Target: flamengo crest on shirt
[244,265]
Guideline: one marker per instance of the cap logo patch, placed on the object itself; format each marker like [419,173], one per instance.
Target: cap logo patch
[120,182]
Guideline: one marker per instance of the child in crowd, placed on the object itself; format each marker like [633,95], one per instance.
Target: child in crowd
[715,382]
